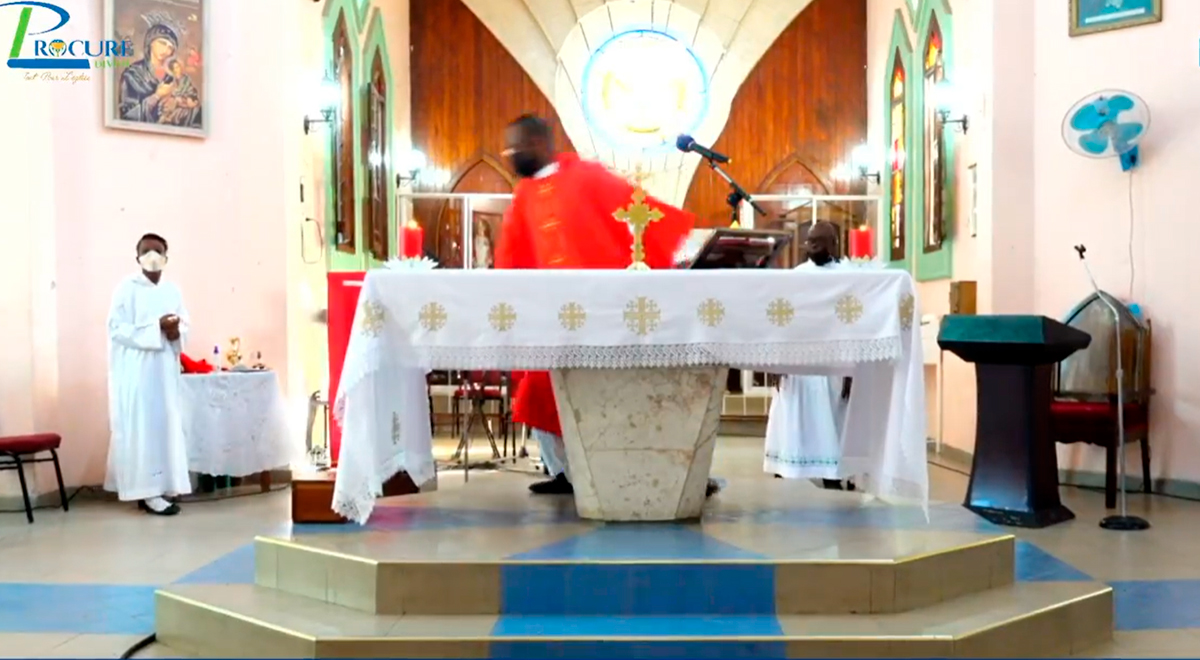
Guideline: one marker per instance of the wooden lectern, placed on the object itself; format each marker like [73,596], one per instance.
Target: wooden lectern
[1014,476]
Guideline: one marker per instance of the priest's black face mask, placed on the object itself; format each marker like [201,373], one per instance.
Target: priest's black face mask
[527,154]
[822,244]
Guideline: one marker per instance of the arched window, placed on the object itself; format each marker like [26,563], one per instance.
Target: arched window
[375,211]
[934,225]
[342,142]
[897,212]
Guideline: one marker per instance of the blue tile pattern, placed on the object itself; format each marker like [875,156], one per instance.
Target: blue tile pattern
[1157,604]
[637,589]
[1037,565]
[621,650]
[236,567]
[641,626]
[666,541]
[76,608]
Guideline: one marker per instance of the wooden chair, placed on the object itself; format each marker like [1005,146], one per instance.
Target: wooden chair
[1084,408]
[20,450]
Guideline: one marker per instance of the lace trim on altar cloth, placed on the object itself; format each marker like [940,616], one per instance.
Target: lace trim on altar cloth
[355,500]
[373,357]
[656,356]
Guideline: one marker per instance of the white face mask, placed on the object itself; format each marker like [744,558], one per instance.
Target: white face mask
[152,262]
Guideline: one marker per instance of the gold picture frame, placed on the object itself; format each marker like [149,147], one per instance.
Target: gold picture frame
[1092,16]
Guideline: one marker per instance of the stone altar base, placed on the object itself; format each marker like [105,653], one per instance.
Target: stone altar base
[774,569]
[639,441]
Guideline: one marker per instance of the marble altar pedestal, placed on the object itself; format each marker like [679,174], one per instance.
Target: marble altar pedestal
[639,441]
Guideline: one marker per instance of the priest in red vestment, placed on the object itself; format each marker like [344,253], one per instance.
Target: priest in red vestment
[563,215]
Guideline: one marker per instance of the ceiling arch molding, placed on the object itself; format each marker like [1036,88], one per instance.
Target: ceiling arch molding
[553,41]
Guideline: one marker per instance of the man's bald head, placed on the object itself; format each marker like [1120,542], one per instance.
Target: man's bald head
[822,243]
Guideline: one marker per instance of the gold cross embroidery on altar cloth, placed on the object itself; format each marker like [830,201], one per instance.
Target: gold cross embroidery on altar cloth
[433,317]
[908,305]
[572,316]
[642,316]
[502,317]
[711,312]
[848,309]
[780,312]
[372,316]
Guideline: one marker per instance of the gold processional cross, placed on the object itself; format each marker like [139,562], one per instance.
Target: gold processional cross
[638,215]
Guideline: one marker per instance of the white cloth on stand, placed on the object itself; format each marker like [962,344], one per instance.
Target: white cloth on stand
[235,423]
[553,452]
[147,449]
[858,322]
[804,425]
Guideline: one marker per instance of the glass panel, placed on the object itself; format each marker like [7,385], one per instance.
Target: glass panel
[488,219]
[1091,373]
[898,159]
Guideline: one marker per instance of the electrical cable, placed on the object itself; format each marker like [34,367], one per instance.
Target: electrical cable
[1132,268]
[44,507]
[141,644]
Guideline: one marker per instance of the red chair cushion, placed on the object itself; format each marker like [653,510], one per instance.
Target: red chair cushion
[1094,422]
[30,444]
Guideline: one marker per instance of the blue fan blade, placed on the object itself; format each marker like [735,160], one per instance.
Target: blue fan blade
[1120,103]
[1095,143]
[1090,117]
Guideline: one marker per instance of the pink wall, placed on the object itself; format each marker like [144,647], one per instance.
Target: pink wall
[220,202]
[1021,73]
[1087,201]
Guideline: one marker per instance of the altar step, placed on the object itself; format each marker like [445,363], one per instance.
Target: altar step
[1018,620]
[829,573]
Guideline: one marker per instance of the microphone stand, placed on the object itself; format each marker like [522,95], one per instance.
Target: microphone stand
[737,194]
[1122,522]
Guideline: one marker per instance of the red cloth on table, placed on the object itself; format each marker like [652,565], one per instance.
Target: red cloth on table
[566,221]
[191,366]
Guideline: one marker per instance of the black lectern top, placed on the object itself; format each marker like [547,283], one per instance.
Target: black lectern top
[1010,339]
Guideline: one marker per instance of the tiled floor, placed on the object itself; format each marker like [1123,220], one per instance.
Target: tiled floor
[80,584]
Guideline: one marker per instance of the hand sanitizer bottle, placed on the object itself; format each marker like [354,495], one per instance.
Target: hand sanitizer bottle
[216,361]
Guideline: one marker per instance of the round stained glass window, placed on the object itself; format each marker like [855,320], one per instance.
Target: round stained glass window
[642,89]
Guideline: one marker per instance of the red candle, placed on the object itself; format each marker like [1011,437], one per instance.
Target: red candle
[412,243]
[861,244]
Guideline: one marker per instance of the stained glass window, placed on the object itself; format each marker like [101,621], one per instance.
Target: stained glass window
[934,224]
[375,215]
[897,158]
[343,144]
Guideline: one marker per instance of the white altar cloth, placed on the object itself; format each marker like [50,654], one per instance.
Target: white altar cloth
[235,423]
[856,321]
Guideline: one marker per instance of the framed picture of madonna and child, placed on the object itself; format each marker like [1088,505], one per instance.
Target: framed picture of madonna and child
[161,84]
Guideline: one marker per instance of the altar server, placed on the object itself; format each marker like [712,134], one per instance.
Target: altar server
[807,414]
[147,323]
[563,216]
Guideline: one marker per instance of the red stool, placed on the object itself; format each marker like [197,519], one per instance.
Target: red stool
[17,451]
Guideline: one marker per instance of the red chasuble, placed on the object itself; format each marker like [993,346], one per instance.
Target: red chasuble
[566,220]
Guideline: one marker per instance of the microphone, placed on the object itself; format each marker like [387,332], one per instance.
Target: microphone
[686,143]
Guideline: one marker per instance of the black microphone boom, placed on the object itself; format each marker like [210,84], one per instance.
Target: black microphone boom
[686,143]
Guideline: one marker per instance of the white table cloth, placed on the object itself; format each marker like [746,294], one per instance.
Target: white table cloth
[235,423]
[856,321]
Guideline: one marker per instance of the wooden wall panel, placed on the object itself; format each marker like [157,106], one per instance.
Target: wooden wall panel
[799,113]
[466,88]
